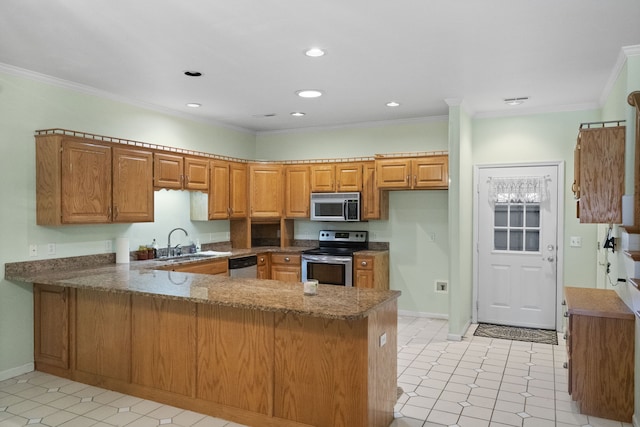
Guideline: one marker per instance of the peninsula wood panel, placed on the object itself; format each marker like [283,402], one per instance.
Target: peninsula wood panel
[132,185]
[321,370]
[51,326]
[601,181]
[383,365]
[235,357]
[164,344]
[103,334]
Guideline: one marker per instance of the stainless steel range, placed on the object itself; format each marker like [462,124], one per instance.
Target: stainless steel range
[331,262]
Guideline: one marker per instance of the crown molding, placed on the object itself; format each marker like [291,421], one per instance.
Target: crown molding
[89,90]
[537,110]
[625,52]
[371,124]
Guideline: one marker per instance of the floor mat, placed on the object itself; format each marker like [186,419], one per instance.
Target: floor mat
[541,336]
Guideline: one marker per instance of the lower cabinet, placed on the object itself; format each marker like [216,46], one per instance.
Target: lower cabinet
[264,266]
[51,326]
[285,267]
[371,269]
[600,353]
[210,266]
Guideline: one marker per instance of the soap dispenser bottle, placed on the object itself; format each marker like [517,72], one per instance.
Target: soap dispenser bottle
[155,247]
[198,245]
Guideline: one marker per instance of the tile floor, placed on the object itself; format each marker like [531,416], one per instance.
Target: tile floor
[476,382]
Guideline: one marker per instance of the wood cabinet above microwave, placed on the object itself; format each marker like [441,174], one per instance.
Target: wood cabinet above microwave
[336,177]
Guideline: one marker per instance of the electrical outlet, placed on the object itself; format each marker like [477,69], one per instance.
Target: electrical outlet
[107,245]
[51,249]
[383,339]
[33,250]
[576,242]
[432,236]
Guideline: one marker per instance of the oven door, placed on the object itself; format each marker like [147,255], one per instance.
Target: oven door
[328,269]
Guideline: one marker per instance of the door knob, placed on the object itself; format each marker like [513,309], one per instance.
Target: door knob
[550,258]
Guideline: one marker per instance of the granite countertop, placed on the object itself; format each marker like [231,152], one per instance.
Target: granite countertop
[142,278]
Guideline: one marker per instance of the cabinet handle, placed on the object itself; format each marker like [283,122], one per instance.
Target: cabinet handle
[363,263]
[287,259]
[116,213]
[186,179]
[415,179]
[109,212]
[407,180]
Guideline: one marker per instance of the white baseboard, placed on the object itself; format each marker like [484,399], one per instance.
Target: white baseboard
[634,421]
[458,337]
[423,314]
[14,372]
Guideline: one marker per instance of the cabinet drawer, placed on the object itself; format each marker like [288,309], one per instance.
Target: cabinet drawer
[285,259]
[364,263]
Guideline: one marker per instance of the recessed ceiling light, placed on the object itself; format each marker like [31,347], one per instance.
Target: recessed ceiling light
[298,114]
[309,93]
[193,73]
[194,105]
[393,104]
[515,101]
[315,52]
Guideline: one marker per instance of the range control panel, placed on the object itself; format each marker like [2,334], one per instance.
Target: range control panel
[343,236]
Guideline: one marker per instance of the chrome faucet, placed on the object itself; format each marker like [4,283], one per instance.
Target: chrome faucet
[171,251]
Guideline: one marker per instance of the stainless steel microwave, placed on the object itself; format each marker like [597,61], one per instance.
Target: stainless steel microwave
[335,206]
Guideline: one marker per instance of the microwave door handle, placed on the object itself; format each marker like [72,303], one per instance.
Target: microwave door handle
[344,210]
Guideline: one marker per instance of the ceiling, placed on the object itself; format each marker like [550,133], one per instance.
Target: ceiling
[560,54]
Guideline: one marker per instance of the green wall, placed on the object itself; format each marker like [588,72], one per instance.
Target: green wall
[27,105]
[416,261]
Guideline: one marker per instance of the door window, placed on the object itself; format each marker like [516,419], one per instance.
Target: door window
[516,227]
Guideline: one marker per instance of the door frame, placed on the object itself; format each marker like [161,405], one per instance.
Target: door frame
[560,179]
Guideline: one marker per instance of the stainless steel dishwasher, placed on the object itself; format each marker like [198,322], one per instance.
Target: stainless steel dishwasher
[245,266]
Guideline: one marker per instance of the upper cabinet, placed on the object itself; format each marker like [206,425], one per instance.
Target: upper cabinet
[375,202]
[81,181]
[297,192]
[172,171]
[227,190]
[401,173]
[599,174]
[336,177]
[266,190]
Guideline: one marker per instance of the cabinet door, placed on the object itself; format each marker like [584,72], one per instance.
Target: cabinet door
[431,172]
[375,202]
[349,177]
[219,190]
[285,273]
[364,279]
[264,266]
[132,185]
[265,184]
[196,173]
[296,191]
[322,178]
[393,173]
[51,325]
[86,183]
[168,171]
[238,187]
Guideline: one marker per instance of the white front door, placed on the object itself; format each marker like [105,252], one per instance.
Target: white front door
[517,220]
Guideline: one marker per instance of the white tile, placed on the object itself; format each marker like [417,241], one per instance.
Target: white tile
[441,417]
[506,418]
[416,412]
[477,412]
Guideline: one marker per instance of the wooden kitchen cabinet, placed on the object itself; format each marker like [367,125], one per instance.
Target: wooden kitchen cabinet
[371,269]
[285,267]
[428,172]
[336,177]
[51,326]
[263,266]
[599,174]
[238,191]
[219,194]
[227,195]
[173,171]
[375,202]
[79,181]
[297,191]
[600,353]
[206,266]
[266,190]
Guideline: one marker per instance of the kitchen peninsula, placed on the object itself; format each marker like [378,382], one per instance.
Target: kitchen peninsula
[257,352]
